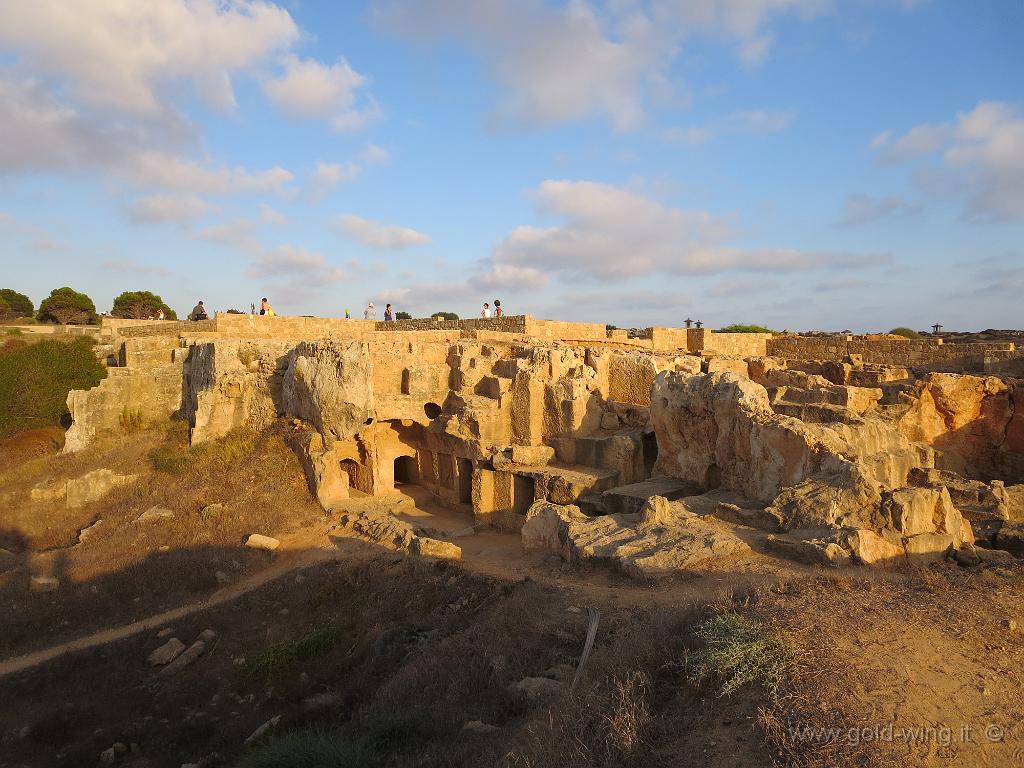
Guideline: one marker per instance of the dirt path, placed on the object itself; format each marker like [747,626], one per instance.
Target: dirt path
[292,557]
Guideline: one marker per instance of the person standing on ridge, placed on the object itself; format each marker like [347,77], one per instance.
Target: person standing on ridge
[486,311]
[348,315]
[369,313]
[389,314]
[497,308]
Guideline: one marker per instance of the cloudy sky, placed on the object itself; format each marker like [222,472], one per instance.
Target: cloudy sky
[800,164]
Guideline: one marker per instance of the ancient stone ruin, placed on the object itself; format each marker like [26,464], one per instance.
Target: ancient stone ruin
[667,451]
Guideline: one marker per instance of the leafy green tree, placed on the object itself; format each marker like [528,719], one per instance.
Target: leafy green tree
[445,315]
[906,333]
[20,304]
[6,313]
[739,328]
[403,316]
[138,305]
[67,306]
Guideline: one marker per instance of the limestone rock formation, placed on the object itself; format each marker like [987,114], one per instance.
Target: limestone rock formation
[329,384]
[655,543]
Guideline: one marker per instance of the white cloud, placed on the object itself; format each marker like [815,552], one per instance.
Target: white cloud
[980,156]
[761,121]
[158,209]
[160,169]
[614,233]
[237,233]
[555,64]
[119,54]
[859,210]
[326,176]
[270,216]
[42,134]
[378,235]
[298,265]
[374,155]
[572,60]
[754,121]
[310,89]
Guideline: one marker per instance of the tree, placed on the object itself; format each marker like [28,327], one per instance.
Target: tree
[138,305]
[6,313]
[739,328]
[445,315]
[906,333]
[20,304]
[403,316]
[67,306]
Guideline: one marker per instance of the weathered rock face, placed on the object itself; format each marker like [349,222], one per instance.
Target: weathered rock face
[330,385]
[230,383]
[718,430]
[975,423]
[840,489]
[663,539]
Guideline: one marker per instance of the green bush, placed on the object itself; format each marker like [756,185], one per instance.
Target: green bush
[737,651]
[280,659]
[906,333]
[66,306]
[403,316]
[35,380]
[235,312]
[445,315]
[739,328]
[139,305]
[19,303]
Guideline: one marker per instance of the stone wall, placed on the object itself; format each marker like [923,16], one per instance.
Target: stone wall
[670,339]
[554,330]
[706,341]
[508,324]
[911,353]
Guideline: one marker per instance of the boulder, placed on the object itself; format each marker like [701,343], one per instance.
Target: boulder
[1011,538]
[154,513]
[913,511]
[94,485]
[427,547]
[166,653]
[672,543]
[870,548]
[813,551]
[187,657]
[259,541]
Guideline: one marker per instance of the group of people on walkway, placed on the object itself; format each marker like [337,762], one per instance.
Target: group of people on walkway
[370,313]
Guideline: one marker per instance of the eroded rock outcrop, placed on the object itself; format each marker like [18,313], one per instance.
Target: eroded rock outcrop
[330,385]
[664,538]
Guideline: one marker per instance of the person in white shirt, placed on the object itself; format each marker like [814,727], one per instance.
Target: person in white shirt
[486,311]
[370,313]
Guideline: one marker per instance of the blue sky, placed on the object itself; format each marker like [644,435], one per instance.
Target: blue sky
[802,164]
